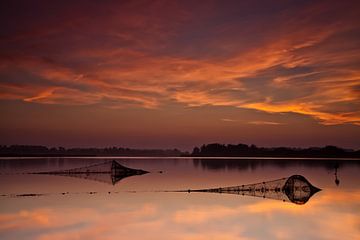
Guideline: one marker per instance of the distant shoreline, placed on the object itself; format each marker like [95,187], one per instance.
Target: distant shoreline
[214,150]
[184,157]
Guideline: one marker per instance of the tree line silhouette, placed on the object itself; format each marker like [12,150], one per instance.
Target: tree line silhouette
[29,150]
[243,150]
[206,150]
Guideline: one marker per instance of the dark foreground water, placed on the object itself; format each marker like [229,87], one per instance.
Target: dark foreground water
[47,206]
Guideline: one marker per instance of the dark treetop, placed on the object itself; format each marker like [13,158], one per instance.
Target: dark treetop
[243,150]
[26,150]
[206,150]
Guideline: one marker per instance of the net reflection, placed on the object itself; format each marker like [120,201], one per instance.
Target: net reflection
[296,189]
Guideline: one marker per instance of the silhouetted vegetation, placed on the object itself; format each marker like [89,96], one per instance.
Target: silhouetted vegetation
[243,150]
[206,150]
[28,150]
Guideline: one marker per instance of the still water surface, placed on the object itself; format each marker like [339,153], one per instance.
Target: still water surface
[139,207]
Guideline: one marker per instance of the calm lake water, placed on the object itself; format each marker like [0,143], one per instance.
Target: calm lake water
[140,207]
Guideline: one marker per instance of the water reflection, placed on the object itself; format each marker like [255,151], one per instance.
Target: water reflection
[337,180]
[245,164]
[110,172]
[330,214]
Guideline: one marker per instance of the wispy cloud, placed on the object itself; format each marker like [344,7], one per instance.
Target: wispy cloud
[303,61]
[228,120]
[264,123]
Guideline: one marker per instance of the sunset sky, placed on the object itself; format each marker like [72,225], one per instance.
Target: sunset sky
[165,74]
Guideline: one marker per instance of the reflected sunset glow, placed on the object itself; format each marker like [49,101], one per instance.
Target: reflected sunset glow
[179,215]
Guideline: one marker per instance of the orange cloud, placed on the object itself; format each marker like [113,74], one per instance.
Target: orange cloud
[301,66]
[306,109]
[264,123]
